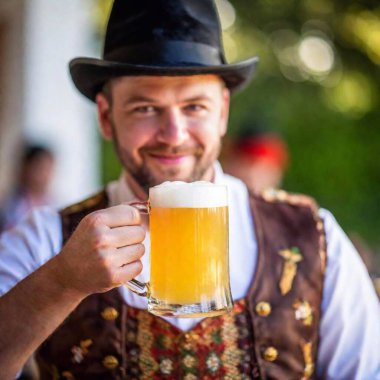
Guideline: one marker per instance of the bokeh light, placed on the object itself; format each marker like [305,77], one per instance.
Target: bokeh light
[354,95]
[226,12]
[316,55]
[362,29]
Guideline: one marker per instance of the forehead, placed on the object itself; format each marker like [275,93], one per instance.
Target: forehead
[155,85]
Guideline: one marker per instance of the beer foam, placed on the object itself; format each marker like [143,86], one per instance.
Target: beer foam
[200,194]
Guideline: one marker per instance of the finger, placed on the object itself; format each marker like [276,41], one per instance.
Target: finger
[129,254]
[115,216]
[128,272]
[121,236]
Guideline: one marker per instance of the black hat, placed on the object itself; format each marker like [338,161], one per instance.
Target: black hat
[160,37]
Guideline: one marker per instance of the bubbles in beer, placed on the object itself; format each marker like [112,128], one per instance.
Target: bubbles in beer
[198,194]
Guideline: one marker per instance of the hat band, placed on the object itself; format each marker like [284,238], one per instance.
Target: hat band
[168,53]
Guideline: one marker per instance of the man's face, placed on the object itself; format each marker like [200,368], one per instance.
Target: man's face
[166,128]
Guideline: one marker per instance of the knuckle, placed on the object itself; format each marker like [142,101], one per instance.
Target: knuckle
[135,252]
[104,263]
[94,219]
[136,268]
[114,279]
[133,214]
[99,239]
[140,249]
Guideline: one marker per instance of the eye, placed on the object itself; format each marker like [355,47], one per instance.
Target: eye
[144,110]
[195,108]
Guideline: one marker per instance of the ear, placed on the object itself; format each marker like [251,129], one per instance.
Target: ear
[104,112]
[225,111]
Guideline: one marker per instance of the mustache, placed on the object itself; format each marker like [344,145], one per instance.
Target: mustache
[182,150]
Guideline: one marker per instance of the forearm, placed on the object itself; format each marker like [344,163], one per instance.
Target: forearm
[103,253]
[29,313]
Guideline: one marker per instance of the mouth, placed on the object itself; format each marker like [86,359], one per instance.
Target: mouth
[169,159]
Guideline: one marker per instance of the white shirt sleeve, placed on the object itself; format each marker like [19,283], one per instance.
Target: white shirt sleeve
[26,247]
[350,325]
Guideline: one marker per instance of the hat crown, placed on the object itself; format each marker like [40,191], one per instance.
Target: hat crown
[137,23]
[160,38]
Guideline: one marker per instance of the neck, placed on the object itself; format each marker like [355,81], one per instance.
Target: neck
[209,175]
[137,190]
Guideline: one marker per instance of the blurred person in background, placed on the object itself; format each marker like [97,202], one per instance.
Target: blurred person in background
[32,188]
[259,158]
[304,306]
[36,170]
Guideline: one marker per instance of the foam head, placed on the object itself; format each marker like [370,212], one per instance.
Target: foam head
[200,194]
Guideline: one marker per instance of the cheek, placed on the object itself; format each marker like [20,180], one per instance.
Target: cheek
[216,126]
[209,134]
[133,137]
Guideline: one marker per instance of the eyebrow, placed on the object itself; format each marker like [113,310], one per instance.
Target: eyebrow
[138,99]
[146,99]
[199,97]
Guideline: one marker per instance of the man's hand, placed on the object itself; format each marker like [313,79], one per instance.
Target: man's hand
[103,252]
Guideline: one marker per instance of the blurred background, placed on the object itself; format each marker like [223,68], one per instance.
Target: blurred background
[316,89]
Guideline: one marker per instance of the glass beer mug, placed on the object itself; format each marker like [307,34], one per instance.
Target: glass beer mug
[189,250]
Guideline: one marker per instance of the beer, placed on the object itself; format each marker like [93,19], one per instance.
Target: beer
[189,249]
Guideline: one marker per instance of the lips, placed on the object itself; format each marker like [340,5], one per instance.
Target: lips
[169,159]
[172,155]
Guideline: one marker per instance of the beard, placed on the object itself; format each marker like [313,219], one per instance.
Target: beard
[146,177]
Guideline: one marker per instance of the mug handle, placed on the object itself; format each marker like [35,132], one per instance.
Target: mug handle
[135,286]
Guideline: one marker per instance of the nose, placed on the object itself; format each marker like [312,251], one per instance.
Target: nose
[173,129]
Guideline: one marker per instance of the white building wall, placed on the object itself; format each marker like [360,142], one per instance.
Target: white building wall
[55,113]
[11,92]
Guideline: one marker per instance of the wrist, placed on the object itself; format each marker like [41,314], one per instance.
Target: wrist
[58,275]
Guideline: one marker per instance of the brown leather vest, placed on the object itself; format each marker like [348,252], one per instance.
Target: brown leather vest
[271,334]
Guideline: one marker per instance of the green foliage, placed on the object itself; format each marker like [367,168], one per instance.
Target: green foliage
[110,164]
[331,124]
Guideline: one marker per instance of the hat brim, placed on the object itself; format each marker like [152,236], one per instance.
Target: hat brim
[90,74]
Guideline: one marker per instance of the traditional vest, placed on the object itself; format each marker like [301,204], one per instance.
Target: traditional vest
[270,334]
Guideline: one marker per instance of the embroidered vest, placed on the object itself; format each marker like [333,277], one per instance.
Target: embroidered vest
[270,334]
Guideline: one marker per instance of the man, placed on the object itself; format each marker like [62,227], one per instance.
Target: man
[258,158]
[162,94]
[36,172]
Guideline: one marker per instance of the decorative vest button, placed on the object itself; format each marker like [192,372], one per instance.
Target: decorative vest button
[270,354]
[110,362]
[263,309]
[109,314]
